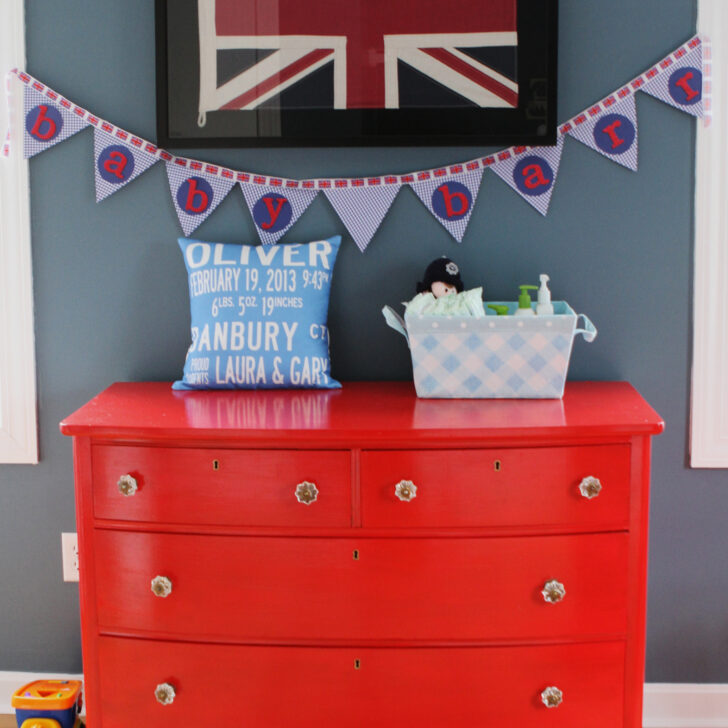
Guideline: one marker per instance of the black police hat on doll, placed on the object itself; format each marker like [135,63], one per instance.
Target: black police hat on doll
[443,270]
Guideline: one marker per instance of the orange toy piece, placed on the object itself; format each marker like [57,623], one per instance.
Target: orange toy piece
[48,704]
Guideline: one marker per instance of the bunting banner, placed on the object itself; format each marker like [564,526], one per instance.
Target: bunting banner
[533,173]
[610,128]
[116,162]
[449,193]
[450,197]
[48,120]
[196,192]
[275,206]
[681,85]
[361,207]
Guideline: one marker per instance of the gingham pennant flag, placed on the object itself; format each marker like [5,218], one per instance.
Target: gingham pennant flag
[47,122]
[362,209]
[532,173]
[117,163]
[275,207]
[195,193]
[680,83]
[450,198]
[611,130]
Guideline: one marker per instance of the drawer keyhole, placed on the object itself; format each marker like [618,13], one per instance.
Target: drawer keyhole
[357,664]
[356,554]
[497,466]
[216,465]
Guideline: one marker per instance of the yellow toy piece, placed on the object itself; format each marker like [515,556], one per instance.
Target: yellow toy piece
[40,723]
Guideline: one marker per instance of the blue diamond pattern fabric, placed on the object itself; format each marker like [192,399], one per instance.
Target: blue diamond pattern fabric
[493,357]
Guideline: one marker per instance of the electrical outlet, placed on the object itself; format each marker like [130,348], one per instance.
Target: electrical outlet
[69,549]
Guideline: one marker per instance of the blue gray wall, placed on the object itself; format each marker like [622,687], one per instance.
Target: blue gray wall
[111,300]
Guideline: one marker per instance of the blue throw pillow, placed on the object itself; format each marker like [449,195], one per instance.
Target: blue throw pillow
[259,315]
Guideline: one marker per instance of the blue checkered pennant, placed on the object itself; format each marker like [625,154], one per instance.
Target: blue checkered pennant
[275,207]
[532,173]
[362,209]
[195,193]
[117,163]
[449,198]
[610,130]
[46,122]
[680,84]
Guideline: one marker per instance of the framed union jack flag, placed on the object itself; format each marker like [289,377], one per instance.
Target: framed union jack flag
[356,72]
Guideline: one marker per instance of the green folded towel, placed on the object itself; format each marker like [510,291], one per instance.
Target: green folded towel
[467,303]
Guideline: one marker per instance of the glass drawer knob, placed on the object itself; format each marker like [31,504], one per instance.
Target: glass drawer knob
[590,487]
[127,485]
[306,492]
[165,694]
[553,591]
[552,697]
[161,586]
[405,490]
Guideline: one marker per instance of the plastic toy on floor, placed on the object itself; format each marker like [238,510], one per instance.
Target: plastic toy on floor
[48,704]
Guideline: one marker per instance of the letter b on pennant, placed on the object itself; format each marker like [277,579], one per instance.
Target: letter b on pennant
[452,201]
[44,123]
[195,196]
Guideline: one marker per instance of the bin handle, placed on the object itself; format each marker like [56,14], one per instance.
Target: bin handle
[395,321]
[589,332]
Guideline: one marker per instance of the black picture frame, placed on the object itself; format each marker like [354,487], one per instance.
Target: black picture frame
[532,123]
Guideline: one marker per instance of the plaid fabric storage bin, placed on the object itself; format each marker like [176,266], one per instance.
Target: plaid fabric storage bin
[492,357]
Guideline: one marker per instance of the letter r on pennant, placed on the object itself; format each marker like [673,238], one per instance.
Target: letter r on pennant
[611,131]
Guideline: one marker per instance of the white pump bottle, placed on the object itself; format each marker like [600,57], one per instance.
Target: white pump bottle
[544,307]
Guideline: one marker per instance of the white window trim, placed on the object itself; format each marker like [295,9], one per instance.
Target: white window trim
[18,411]
[709,407]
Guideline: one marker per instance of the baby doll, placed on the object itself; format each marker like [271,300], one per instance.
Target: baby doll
[442,278]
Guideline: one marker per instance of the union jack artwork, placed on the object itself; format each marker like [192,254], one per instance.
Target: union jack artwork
[364,54]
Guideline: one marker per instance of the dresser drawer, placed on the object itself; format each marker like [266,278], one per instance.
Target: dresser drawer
[222,487]
[296,687]
[305,590]
[499,487]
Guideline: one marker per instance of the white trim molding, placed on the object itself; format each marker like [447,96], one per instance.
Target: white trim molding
[709,407]
[18,412]
[674,705]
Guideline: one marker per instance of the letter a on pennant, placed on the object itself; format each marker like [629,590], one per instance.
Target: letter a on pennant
[116,164]
[532,173]
[46,122]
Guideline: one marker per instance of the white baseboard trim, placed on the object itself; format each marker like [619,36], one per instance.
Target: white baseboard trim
[667,705]
[11,681]
[685,705]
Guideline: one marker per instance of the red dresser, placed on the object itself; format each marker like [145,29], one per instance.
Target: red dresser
[362,558]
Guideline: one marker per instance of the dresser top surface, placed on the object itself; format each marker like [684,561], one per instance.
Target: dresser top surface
[374,411]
